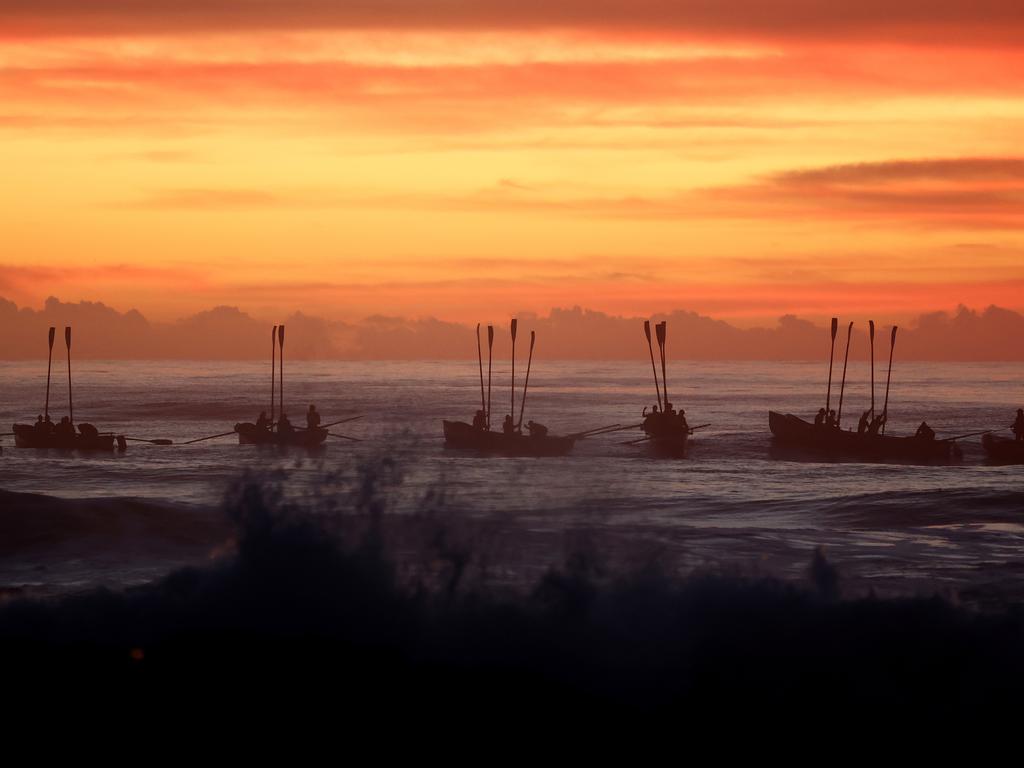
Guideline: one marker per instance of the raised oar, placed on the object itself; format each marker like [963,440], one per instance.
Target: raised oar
[831,356]
[345,437]
[526,385]
[888,379]
[273,369]
[638,440]
[700,426]
[654,368]
[661,332]
[49,365]
[515,324]
[871,336]
[490,359]
[160,441]
[480,359]
[280,341]
[71,405]
[211,437]
[842,387]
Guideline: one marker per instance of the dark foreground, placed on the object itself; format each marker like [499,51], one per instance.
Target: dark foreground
[306,604]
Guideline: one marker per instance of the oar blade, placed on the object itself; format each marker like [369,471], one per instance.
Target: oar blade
[515,326]
[893,340]
[835,327]
[280,336]
[871,329]
[53,332]
[647,330]
[490,336]
[67,336]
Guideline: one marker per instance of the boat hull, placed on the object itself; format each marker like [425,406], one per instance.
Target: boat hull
[460,435]
[248,434]
[1001,450]
[793,433]
[27,436]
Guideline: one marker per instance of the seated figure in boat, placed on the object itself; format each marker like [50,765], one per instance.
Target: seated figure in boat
[284,426]
[830,420]
[312,418]
[819,419]
[877,423]
[480,420]
[536,430]
[262,423]
[88,431]
[652,418]
[40,425]
[864,422]
[924,432]
[684,425]
[1018,425]
[508,426]
[65,428]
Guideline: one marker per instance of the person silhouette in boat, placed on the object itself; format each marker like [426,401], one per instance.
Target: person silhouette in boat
[830,420]
[684,425]
[40,425]
[312,418]
[508,426]
[924,432]
[262,423]
[480,420]
[819,419]
[1018,425]
[284,427]
[536,430]
[65,428]
[877,423]
[864,422]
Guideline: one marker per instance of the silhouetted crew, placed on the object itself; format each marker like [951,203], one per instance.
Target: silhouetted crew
[40,425]
[261,421]
[284,426]
[536,430]
[819,419]
[508,426]
[480,420]
[877,423]
[830,421]
[1018,425]
[925,432]
[863,422]
[65,428]
[683,424]
[312,418]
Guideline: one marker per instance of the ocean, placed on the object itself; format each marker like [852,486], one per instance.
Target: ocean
[120,520]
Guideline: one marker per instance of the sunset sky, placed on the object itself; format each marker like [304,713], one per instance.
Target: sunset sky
[473,158]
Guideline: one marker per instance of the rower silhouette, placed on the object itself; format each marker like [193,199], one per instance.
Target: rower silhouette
[924,432]
[284,426]
[877,423]
[261,421]
[480,420]
[864,422]
[508,426]
[819,419]
[830,420]
[312,418]
[683,424]
[1018,425]
[536,430]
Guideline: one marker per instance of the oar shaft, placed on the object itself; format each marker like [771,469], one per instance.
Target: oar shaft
[831,358]
[654,368]
[871,335]
[842,387]
[273,368]
[480,360]
[490,360]
[71,402]
[526,384]
[210,437]
[888,378]
[49,367]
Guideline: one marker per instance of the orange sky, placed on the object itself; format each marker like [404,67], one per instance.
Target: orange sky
[458,159]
